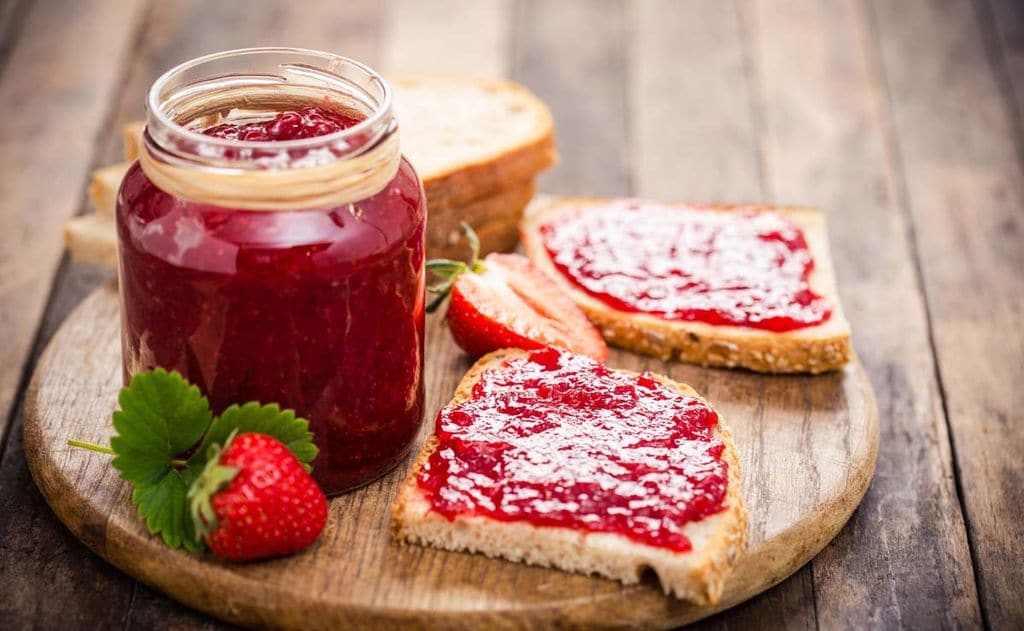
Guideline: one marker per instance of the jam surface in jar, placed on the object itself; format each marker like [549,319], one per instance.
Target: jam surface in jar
[738,267]
[308,122]
[320,311]
[558,439]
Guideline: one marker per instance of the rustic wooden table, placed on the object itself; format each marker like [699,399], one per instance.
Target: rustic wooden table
[901,119]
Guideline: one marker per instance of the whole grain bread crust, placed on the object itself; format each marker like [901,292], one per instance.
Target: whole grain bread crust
[697,576]
[814,349]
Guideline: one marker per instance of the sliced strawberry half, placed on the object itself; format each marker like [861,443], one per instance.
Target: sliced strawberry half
[504,301]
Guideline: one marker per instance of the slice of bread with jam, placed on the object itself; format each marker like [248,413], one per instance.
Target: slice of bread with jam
[552,459]
[812,348]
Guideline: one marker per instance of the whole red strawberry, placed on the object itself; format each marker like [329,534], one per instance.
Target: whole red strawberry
[505,301]
[256,501]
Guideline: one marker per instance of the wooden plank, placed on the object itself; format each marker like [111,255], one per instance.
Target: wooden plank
[1003,29]
[694,137]
[824,144]
[41,559]
[48,150]
[789,605]
[447,37]
[51,579]
[692,122]
[10,13]
[60,91]
[954,132]
[583,80]
[152,610]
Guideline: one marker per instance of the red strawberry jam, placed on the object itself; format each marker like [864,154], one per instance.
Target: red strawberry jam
[739,267]
[557,439]
[320,311]
[309,122]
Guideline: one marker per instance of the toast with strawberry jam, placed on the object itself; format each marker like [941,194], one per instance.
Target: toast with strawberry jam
[551,458]
[718,285]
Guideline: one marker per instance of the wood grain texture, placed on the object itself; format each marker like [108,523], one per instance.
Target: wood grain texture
[1002,23]
[152,610]
[41,561]
[470,38]
[582,79]
[60,91]
[56,94]
[965,192]
[693,132]
[356,576]
[11,12]
[824,144]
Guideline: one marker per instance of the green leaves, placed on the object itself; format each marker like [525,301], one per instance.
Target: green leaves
[161,418]
[163,507]
[450,270]
[261,419]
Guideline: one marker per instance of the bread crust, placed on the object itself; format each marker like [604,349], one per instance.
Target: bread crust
[814,349]
[494,218]
[698,575]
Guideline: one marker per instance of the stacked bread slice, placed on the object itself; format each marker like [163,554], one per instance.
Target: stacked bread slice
[477,144]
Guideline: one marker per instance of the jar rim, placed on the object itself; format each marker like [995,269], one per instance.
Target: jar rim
[381,112]
[250,83]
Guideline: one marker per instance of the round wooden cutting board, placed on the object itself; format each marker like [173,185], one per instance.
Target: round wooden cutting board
[807,447]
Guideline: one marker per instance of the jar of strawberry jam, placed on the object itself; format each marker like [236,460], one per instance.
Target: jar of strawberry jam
[271,249]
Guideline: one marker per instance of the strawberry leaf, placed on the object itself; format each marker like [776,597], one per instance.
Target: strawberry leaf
[161,416]
[263,419]
[164,507]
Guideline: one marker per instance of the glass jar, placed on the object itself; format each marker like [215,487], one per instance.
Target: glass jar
[284,271]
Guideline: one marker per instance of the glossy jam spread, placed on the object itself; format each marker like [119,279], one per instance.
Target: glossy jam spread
[739,267]
[309,122]
[557,439]
[316,310]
